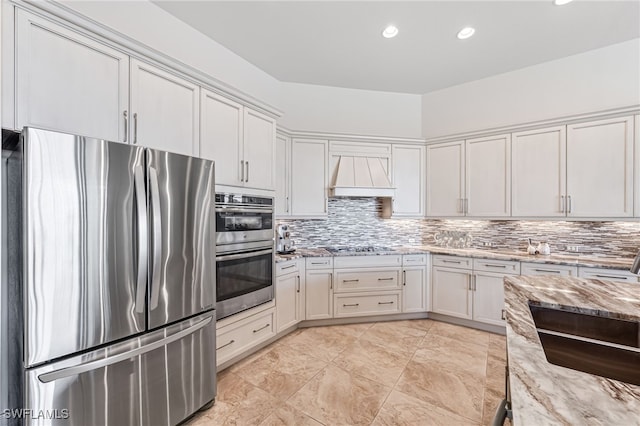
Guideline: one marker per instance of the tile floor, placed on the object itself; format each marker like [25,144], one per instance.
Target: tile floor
[416,372]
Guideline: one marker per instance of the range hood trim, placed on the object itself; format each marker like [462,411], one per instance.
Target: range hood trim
[351,171]
[362,191]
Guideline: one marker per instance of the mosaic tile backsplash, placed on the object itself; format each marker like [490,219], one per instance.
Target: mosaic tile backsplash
[359,222]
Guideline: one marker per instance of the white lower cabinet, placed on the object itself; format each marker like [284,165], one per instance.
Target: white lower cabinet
[319,288]
[546,269]
[371,303]
[290,297]
[414,283]
[608,274]
[451,292]
[237,337]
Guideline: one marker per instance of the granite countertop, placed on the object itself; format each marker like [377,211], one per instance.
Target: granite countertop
[558,259]
[544,393]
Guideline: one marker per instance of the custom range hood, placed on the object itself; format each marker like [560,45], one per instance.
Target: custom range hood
[359,176]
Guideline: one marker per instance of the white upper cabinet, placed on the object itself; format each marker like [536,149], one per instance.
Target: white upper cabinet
[259,150]
[309,165]
[445,179]
[221,135]
[164,110]
[408,177]
[600,158]
[68,82]
[283,158]
[538,163]
[636,147]
[488,176]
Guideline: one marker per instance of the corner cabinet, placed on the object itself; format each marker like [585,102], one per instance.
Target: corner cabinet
[68,82]
[290,294]
[415,282]
[408,177]
[240,140]
[165,110]
[445,179]
[319,288]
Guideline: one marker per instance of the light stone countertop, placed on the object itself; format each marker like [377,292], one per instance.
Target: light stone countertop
[543,393]
[558,259]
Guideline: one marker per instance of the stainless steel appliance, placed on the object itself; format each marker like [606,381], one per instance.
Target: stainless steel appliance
[245,256]
[110,263]
[284,245]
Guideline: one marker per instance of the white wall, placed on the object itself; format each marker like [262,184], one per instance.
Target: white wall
[333,109]
[147,23]
[597,80]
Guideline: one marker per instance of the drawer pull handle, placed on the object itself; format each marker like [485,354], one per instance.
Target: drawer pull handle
[457,262]
[288,267]
[548,270]
[385,279]
[319,263]
[488,265]
[261,328]
[350,281]
[613,277]
[385,303]
[345,305]
[225,345]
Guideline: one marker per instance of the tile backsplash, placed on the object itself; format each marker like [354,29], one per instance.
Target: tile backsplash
[358,221]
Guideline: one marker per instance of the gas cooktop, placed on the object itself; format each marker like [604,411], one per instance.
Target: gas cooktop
[357,249]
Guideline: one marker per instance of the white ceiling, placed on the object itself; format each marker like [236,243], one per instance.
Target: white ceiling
[339,43]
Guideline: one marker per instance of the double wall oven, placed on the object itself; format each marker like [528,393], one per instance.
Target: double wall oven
[244,252]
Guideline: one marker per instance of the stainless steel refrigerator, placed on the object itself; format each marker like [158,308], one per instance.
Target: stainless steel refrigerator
[109,306]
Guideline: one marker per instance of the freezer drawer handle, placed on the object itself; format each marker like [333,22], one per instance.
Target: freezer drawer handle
[101,363]
[157,237]
[143,225]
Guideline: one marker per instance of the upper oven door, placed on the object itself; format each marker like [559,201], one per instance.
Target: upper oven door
[236,224]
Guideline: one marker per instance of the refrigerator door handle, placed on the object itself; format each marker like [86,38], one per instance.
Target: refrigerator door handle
[143,226]
[101,363]
[157,237]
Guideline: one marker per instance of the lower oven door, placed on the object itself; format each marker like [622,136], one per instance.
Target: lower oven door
[244,279]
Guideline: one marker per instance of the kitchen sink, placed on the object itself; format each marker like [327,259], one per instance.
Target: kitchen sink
[604,346]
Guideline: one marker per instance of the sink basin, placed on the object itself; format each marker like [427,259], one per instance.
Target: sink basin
[607,347]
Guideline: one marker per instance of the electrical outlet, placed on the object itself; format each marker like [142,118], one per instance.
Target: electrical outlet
[488,244]
[574,249]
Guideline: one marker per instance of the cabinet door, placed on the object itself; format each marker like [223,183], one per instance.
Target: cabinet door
[309,177]
[414,290]
[259,150]
[165,110]
[221,136]
[319,294]
[538,167]
[408,176]
[445,179]
[68,82]
[488,177]
[283,154]
[287,301]
[488,298]
[451,294]
[600,168]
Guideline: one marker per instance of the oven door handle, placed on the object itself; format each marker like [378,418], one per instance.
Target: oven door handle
[244,209]
[244,255]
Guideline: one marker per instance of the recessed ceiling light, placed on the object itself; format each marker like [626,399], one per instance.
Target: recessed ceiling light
[466,32]
[561,2]
[390,32]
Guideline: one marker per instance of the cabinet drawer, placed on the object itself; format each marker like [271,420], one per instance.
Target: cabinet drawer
[499,266]
[607,274]
[547,269]
[319,263]
[283,268]
[453,261]
[367,261]
[353,305]
[360,280]
[238,337]
[414,259]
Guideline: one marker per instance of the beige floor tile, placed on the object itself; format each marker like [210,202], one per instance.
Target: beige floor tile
[373,361]
[419,324]
[281,371]
[394,337]
[464,334]
[238,402]
[458,391]
[239,366]
[320,343]
[337,397]
[495,373]
[286,415]
[403,410]
[453,354]
[498,347]
[492,399]
[350,330]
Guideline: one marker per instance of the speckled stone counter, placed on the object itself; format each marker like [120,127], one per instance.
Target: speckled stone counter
[543,393]
[558,259]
